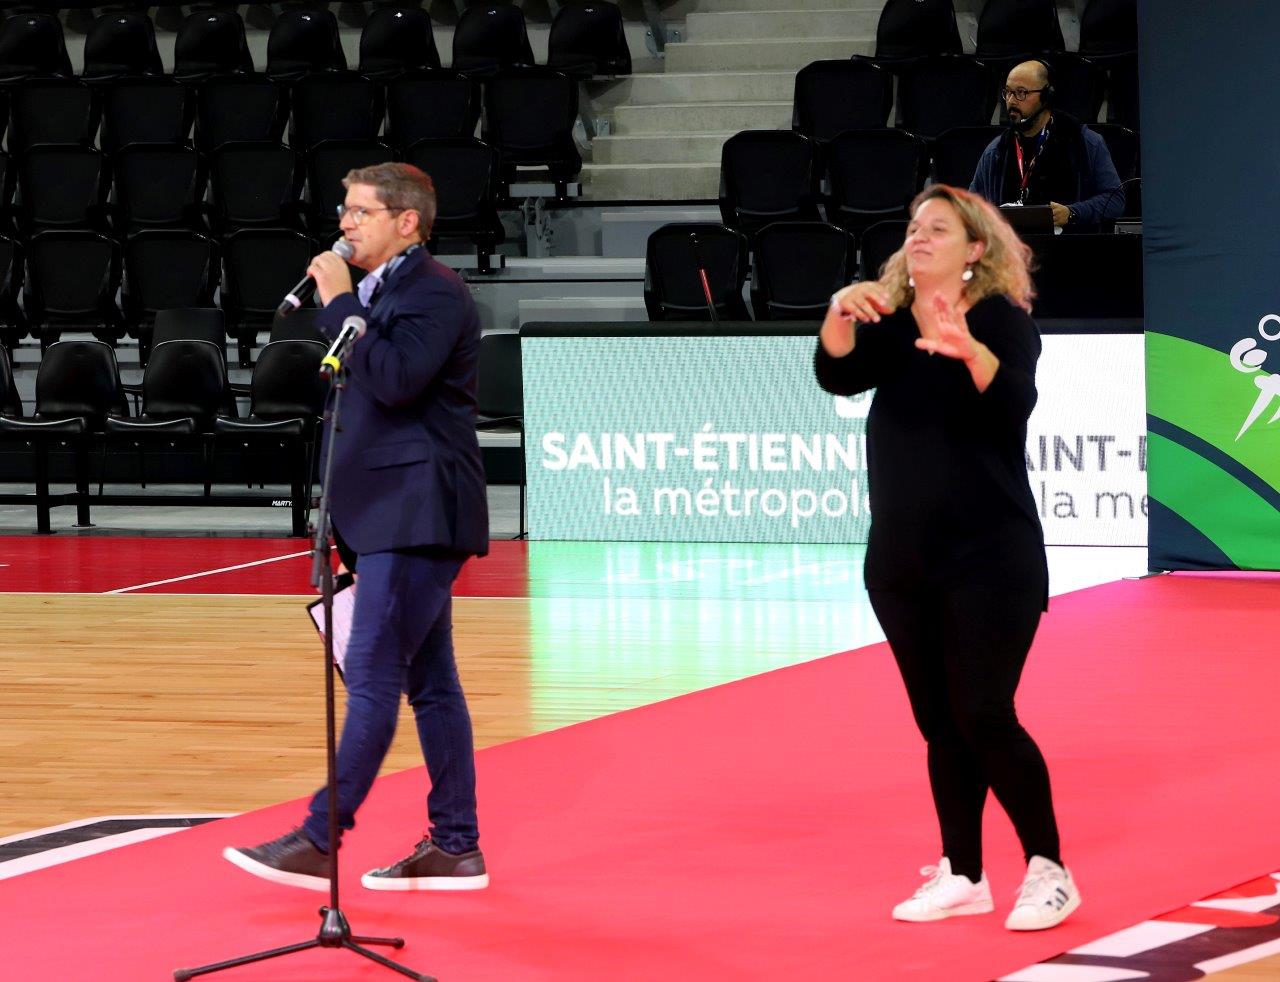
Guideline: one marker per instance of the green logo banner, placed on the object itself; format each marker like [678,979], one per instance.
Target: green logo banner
[1212,285]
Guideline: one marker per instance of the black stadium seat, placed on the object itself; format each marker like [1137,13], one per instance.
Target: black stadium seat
[587,39]
[166,269]
[159,186]
[211,41]
[1109,28]
[1122,92]
[432,105]
[915,29]
[672,287]
[72,281]
[935,94]
[254,184]
[841,94]
[879,242]
[1079,86]
[10,399]
[304,40]
[466,177]
[397,39]
[334,106]
[32,44]
[52,111]
[955,153]
[240,109]
[1009,29]
[13,322]
[798,266]
[1122,144]
[768,176]
[529,117]
[490,37]
[260,266]
[121,42]
[146,110]
[874,174]
[62,187]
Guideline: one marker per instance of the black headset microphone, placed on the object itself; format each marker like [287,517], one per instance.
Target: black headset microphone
[306,286]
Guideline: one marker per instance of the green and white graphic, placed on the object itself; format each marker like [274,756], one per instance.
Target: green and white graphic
[729,439]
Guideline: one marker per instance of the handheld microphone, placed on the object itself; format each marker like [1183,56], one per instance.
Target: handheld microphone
[353,329]
[702,275]
[301,293]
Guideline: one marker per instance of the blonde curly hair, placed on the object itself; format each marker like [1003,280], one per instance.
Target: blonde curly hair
[1003,268]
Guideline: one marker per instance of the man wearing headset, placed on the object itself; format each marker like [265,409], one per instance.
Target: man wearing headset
[1048,158]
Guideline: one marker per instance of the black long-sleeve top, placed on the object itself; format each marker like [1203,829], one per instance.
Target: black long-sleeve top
[950,498]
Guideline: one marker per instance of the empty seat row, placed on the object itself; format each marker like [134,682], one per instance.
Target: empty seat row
[587,39]
[870,175]
[239,185]
[185,400]
[1007,29]
[796,266]
[525,111]
[943,91]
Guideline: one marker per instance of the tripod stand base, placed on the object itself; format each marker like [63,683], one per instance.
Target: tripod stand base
[335,932]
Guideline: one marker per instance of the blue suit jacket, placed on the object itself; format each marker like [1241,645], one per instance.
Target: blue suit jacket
[407,470]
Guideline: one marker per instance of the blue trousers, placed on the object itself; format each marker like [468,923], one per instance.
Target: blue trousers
[402,641]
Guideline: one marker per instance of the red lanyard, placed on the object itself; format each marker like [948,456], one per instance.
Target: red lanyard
[1025,171]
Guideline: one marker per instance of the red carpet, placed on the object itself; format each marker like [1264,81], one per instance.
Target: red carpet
[758,830]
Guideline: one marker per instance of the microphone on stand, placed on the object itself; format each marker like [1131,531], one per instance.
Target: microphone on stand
[301,293]
[702,275]
[353,329]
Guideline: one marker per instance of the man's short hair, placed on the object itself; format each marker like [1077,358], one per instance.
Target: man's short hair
[402,187]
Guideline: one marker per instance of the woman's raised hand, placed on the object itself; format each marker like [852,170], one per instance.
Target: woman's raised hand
[865,302]
[951,332]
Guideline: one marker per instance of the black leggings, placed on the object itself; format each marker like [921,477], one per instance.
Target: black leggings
[961,650]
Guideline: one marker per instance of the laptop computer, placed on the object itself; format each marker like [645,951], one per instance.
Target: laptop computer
[1029,219]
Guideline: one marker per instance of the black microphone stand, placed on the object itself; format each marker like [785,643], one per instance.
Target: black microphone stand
[335,932]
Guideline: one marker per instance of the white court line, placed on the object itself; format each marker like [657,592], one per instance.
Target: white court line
[79,850]
[82,822]
[208,572]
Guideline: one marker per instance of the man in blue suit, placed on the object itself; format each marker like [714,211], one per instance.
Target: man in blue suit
[408,497]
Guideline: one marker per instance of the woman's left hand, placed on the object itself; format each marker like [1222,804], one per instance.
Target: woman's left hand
[952,338]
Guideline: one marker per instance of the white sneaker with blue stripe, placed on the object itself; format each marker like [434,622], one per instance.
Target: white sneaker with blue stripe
[1048,895]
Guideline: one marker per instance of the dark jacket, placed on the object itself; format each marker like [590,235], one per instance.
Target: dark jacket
[1097,191]
[407,470]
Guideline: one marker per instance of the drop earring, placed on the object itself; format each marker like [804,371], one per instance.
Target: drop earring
[911,282]
[967,275]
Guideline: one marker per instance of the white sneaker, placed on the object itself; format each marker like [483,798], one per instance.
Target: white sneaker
[1048,895]
[945,894]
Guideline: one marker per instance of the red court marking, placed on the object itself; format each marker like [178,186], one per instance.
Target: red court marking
[761,829]
[101,564]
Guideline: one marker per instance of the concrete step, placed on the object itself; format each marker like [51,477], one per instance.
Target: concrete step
[650,182]
[659,148]
[779,24]
[701,117]
[792,53]
[664,89]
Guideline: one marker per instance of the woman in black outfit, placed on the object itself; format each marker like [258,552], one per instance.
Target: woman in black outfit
[955,563]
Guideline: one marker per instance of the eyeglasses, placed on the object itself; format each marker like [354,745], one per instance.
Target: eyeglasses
[359,214]
[1017,94]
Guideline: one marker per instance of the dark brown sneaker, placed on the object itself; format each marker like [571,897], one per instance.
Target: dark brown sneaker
[431,868]
[290,860]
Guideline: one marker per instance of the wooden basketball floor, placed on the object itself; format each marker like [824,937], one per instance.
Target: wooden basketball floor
[182,677]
